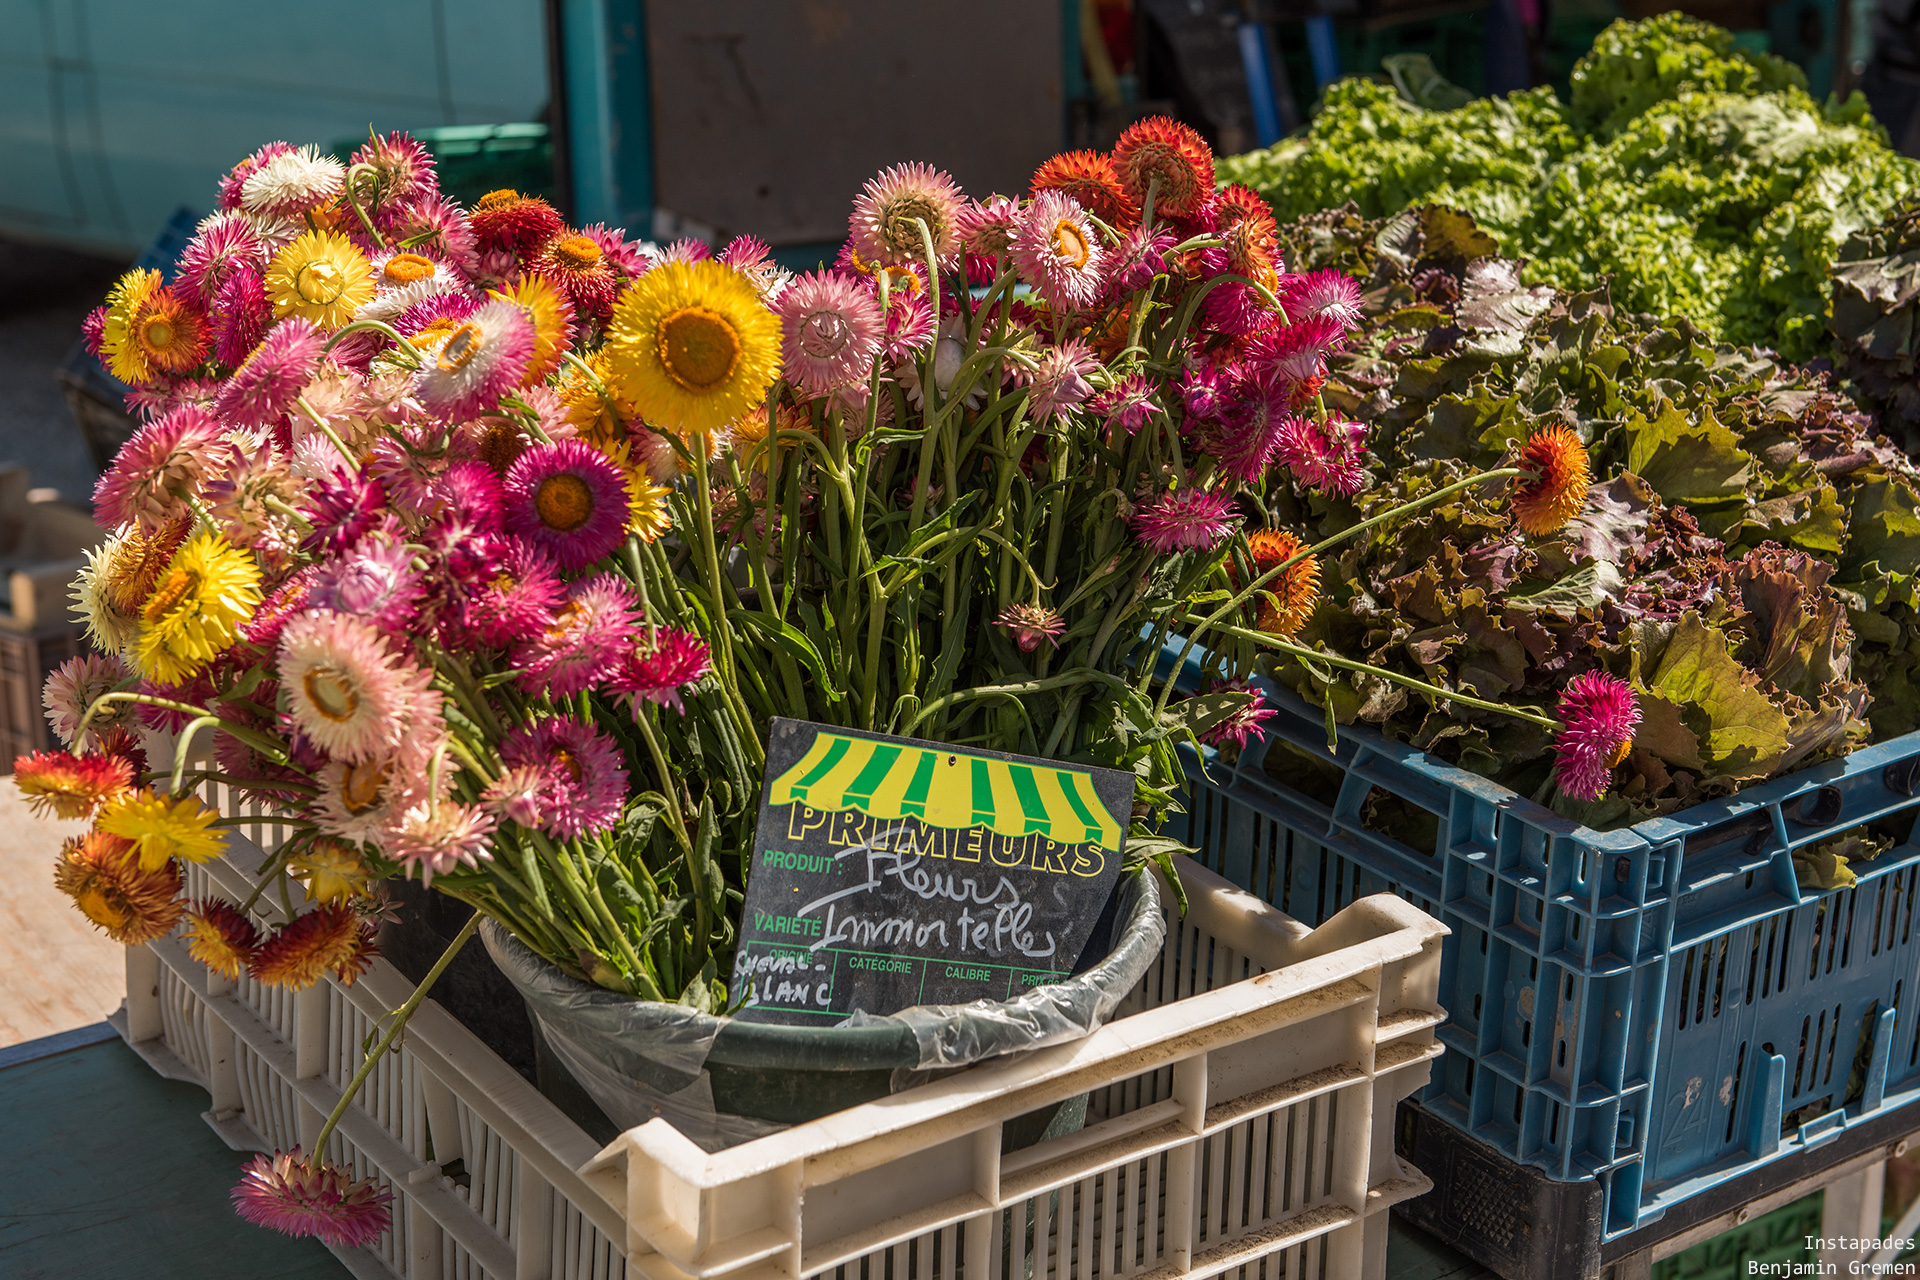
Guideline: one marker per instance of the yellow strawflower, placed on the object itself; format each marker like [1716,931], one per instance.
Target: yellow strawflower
[195,609]
[693,346]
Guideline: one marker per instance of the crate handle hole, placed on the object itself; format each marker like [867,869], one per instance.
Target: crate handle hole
[1902,777]
[1818,808]
[1622,869]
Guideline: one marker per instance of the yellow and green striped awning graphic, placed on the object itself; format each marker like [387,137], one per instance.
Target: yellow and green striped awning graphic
[948,789]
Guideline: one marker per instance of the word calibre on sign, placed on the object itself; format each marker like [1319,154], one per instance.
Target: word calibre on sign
[889,872]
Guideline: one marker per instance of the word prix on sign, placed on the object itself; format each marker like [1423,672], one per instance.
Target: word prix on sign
[889,873]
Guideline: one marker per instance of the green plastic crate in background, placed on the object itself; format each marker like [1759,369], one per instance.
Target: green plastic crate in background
[474,159]
[1780,1236]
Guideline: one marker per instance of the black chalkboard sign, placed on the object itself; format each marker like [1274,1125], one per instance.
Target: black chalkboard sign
[889,873]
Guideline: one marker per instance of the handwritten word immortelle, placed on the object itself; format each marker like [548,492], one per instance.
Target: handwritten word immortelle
[851,829]
[961,910]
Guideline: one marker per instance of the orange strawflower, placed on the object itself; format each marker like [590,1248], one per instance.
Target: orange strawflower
[328,939]
[1557,491]
[220,937]
[104,879]
[1090,178]
[63,785]
[1297,589]
[1171,152]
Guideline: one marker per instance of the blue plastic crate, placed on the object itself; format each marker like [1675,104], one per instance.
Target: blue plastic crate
[1660,1008]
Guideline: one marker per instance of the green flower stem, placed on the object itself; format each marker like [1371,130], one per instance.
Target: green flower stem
[180,749]
[260,742]
[328,431]
[1064,680]
[401,1016]
[354,175]
[1240,598]
[1305,653]
[375,326]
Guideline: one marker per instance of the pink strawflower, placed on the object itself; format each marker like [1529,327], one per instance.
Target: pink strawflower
[376,582]
[347,688]
[987,226]
[73,688]
[587,785]
[1060,382]
[471,493]
[438,836]
[1297,352]
[456,306]
[1330,457]
[1230,307]
[224,244]
[659,665]
[479,362]
[585,642]
[155,472]
[1029,624]
[444,226]
[517,602]
[1139,258]
[884,228]
[1245,724]
[1598,713]
[909,323]
[231,185]
[1330,294]
[1127,404]
[1245,442]
[342,509]
[753,258]
[403,166]
[93,330]
[288,1193]
[625,256]
[408,469]
[520,795]
[239,316]
[568,499]
[1184,520]
[830,329]
[263,629]
[686,249]
[1058,252]
[263,389]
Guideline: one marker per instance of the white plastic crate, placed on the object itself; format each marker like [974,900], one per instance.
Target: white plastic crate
[1239,1121]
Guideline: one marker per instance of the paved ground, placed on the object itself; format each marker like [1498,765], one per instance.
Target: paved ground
[61,972]
[44,295]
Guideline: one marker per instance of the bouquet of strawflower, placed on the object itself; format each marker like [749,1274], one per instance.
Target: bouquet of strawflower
[483,549]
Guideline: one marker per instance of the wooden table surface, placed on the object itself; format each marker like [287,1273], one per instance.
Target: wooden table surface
[62,973]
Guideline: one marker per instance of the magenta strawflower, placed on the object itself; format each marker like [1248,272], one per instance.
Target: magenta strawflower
[263,389]
[434,837]
[890,209]
[986,227]
[288,1193]
[587,785]
[1127,404]
[585,642]
[1246,441]
[1060,382]
[1231,307]
[1245,724]
[753,258]
[1058,252]
[518,602]
[376,582]
[479,362]
[1203,390]
[1029,624]
[239,316]
[909,324]
[1297,352]
[628,257]
[568,499]
[1330,294]
[165,463]
[659,666]
[1598,713]
[830,328]
[223,244]
[1330,456]
[402,166]
[686,249]
[1184,520]
[342,509]
[1138,259]
[471,493]
[435,224]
